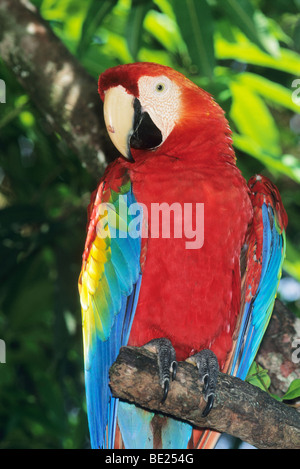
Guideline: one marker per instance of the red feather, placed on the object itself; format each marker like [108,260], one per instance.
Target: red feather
[190,296]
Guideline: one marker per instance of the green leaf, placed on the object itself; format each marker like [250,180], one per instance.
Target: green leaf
[292,261]
[293,391]
[116,47]
[253,119]
[258,376]
[266,34]
[244,51]
[269,90]
[165,7]
[197,28]
[134,29]
[95,15]
[13,113]
[287,164]
[164,29]
[241,13]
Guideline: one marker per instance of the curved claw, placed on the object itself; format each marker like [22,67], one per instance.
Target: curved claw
[174,370]
[208,366]
[209,405]
[167,363]
[205,384]
[166,390]
[166,384]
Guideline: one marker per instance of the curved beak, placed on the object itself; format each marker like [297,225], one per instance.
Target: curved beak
[119,117]
[128,125]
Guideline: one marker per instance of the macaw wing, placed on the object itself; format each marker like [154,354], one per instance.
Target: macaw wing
[261,263]
[263,258]
[109,288]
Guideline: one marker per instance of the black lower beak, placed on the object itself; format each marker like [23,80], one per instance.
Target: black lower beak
[146,135]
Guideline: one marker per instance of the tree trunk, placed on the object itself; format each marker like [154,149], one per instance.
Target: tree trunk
[65,94]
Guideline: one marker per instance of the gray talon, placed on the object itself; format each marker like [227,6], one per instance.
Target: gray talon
[205,386]
[206,362]
[167,364]
[208,366]
[166,390]
[174,367]
[208,407]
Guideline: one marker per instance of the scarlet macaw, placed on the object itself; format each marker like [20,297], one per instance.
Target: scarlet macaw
[212,301]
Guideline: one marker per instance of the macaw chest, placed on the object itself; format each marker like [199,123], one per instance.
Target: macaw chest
[194,229]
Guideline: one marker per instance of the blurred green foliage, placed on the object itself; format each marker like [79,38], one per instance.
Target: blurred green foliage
[246,53]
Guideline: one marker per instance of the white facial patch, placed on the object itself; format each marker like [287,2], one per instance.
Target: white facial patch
[160,98]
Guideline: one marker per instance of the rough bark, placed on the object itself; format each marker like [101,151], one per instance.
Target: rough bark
[61,89]
[240,409]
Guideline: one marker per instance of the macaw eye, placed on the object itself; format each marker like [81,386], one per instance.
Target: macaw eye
[160,87]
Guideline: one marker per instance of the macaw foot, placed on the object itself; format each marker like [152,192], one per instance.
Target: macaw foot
[205,360]
[208,366]
[167,364]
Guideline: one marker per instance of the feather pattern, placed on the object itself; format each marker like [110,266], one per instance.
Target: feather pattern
[265,256]
[109,287]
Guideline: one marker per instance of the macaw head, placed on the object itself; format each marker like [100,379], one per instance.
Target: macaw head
[153,107]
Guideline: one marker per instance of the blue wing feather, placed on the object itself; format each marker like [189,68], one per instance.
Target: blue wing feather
[257,312]
[108,314]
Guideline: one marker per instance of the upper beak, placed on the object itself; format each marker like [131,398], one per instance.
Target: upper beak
[119,117]
[128,125]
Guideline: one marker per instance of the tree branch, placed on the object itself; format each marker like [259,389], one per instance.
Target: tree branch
[240,409]
[61,89]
